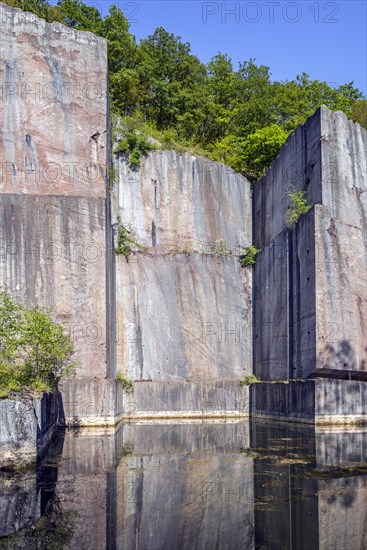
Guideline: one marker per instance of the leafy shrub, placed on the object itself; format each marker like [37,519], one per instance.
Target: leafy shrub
[35,352]
[126,383]
[249,452]
[249,258]
[249,379]
[299,206]
[359,112]
[127,449]
[261,148]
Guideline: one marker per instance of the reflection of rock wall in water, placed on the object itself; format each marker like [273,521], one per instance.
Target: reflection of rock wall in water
[19,502]
[159,486]
[223,485]
[304,495]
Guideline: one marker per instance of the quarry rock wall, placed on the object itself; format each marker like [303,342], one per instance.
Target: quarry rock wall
[178,315]
[311,279]
[183,301]
[27,428]
[54,217]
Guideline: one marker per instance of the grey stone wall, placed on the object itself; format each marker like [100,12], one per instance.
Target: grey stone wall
[53,255]
[183,303]
[54,107]
[311,283]
[321,401]
[55,233]
[27,428]
[187,399]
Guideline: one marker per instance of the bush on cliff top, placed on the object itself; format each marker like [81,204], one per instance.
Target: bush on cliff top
[35,352]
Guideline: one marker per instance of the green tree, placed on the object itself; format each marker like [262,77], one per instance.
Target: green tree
[359,112]
[80,16]
[168,72]
[220,93]
[35,352]
[260,149]
[124,58]
[40,7]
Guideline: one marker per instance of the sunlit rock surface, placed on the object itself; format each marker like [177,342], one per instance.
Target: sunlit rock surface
[28,424]
[184,302]
[311,282]
[55,234]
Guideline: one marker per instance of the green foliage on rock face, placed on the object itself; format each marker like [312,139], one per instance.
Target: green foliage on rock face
[127,385]
[299,206]
[135,146]
[236,115]
[249,379]
[249,258]
[35,352]
[260,149]
[134,139]
[126,244]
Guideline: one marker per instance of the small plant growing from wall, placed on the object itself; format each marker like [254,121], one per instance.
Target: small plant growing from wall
[299,206]
[249,257]
[127,449]
[249,379]
[126,383]
[126,244]
[249,452]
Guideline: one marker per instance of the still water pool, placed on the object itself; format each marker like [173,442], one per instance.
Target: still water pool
[192,486]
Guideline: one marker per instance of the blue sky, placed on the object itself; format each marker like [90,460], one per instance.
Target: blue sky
[327,40]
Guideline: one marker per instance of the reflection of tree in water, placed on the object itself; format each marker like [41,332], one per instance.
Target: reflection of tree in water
[52,531]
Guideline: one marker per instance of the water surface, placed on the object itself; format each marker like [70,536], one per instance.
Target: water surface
[201,485]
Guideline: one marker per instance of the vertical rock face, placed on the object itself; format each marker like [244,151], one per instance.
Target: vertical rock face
[27,427]
[53,92]
[311,289]
[54,234]
[194,204]
[183,302]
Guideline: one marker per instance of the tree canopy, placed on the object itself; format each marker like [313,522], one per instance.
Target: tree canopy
[237,115]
